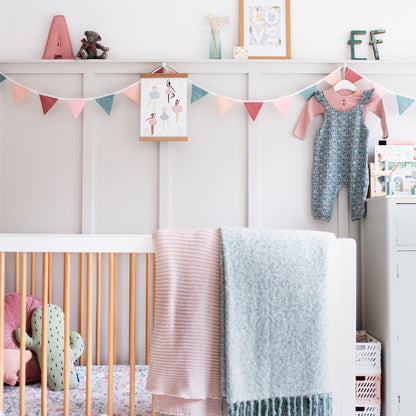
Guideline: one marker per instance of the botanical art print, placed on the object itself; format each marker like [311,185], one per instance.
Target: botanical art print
[265,28]
[163,107]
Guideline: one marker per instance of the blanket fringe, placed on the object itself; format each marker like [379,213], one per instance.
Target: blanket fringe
[310,405]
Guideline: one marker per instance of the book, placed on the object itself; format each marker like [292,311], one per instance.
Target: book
[388,157]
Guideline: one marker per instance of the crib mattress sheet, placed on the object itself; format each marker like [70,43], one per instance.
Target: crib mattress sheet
[55,400]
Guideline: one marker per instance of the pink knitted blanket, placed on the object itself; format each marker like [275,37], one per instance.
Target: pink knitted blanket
[184,373]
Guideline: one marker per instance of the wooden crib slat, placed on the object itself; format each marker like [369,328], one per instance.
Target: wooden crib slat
[148,314]
[32,273]
[23,335]
[98,312]
[89,334]
[2,282]
[50,278]
[43,366]
[81,300]
[110,332]
[67,300]
[115,309]
[16,272]
[132,332]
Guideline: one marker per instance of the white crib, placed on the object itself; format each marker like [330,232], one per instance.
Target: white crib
[88,249]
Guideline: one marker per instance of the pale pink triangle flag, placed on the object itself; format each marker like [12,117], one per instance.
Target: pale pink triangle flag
[19,93]
[283,105]
[133,93]
[378,89]
[334,78]
[76,106]
[224,104]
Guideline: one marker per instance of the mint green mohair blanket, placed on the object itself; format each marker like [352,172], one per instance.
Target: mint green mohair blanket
[274,352]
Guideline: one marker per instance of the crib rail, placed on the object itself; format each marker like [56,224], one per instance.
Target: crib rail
[84,246]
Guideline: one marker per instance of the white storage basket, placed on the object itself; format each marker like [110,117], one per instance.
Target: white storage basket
[370,410]
[368,356]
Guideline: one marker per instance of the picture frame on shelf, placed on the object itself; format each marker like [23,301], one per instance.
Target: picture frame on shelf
[265,28]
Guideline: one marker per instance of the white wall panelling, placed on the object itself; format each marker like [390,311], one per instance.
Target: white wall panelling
[93,175]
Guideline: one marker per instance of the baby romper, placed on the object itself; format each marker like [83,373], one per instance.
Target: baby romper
[340,158]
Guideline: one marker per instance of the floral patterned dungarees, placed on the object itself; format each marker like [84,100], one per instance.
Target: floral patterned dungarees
[341,158]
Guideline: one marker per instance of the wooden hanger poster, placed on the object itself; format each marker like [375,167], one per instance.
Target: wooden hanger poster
[163,107]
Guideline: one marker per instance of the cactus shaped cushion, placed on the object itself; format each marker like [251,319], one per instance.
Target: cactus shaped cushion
[55,349]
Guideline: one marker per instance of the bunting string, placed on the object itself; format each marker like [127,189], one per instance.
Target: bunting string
[253,107]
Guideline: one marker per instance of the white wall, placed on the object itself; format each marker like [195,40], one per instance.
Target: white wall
[172,30]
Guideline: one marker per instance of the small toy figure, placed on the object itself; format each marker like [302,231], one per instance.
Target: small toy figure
[90,45]
[177,109]
[170,91]
[152,121]
[165,117]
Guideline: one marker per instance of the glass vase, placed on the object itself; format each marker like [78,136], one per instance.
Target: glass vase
[215,44]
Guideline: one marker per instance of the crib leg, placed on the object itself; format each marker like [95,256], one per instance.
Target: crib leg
[23,338]
[45,292]
[2,281]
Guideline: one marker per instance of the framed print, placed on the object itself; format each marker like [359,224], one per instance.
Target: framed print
[265,28]
[163,107]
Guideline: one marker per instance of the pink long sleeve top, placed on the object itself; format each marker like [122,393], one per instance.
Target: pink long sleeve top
[341,100]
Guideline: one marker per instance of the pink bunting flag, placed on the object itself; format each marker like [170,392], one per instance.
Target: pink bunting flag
[19,93]
[352,76]
[283,105]
[253,109]
[76,106]
[133,93]
[378,89]
[224,104]
[47,102]
[334,78]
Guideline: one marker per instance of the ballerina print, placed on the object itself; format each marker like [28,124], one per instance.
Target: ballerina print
[154,96]
[165,118]
[177,108]
[170,91]
[152,122]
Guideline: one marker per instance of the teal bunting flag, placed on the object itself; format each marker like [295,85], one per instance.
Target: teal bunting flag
[106,103]
[404,103]
[2,78]
[309,92]
[197,93]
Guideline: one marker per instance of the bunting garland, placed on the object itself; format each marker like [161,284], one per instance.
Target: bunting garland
[253,109]
[282,104]
[19,93]
[47,102]
[106,103]
[197,93]
[133,92]
[76,106]
[308,92]
[403,103]
[224,104]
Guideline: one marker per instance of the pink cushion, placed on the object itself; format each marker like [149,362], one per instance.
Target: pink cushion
[12,322]
[12,365]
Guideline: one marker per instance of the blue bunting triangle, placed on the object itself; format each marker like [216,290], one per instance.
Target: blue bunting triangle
[404,103]
[2,78]
[197,93]
[308,92]
[106,103]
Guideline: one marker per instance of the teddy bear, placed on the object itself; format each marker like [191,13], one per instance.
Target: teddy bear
[90,45]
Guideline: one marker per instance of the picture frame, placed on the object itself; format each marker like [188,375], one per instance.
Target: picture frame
[163,108]
[265,28]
